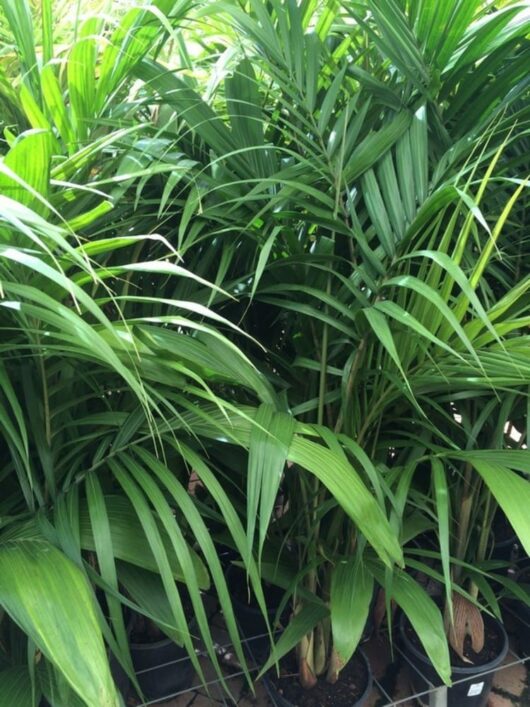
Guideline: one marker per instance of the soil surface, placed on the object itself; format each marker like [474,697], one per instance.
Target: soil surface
[352,683]
[493,644]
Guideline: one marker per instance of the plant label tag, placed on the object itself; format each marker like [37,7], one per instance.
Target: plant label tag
[475,689]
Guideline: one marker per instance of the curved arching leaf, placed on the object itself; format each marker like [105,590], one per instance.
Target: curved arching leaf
[49,598]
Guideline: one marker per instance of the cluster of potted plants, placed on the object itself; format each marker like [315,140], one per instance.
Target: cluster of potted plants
[264,297]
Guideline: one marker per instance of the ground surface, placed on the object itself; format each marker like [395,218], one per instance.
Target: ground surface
[391,681]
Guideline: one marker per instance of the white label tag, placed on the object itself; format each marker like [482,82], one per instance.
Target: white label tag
[475,689]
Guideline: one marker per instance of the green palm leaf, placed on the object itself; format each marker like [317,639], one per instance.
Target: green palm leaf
[48,597]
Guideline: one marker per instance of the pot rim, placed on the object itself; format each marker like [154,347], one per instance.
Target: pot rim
[457,670]
[162,643]
[513,540]
[157,644]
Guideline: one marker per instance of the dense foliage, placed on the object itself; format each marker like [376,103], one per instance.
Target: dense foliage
[280,246]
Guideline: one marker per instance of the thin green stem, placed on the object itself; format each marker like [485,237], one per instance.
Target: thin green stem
[349,385]
[464,518]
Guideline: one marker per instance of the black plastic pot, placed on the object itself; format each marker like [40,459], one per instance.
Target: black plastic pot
[120,677]
[280,701]
[505,544]
[522,621]
[519,613]
[477,680]
[508,551]
[162,668]
[249,617]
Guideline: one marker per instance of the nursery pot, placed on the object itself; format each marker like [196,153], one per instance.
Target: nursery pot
[120,677]
[473,682]
[520,613]
[504,543]
[508,550]
[248,614]
[351,690]
[522,623]
[162,668]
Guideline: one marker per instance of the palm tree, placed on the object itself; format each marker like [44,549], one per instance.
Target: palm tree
[357,187]
[114,373]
